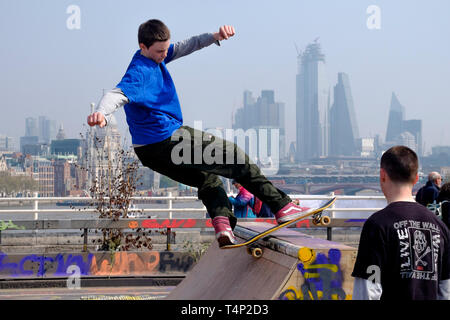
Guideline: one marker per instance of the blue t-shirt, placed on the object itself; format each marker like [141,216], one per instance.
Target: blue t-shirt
[153,112]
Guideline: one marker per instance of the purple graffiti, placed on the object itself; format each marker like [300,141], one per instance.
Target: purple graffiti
[323,275]
[43,263]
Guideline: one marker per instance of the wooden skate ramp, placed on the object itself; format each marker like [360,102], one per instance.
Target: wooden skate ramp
[293,266]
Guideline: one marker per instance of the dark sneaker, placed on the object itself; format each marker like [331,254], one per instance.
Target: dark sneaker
[224,233]
[290,212]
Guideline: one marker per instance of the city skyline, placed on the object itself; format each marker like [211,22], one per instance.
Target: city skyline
[336,123]
[340,114]
[67,69]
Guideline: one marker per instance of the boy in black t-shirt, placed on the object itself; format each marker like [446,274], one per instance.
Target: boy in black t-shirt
[404,249]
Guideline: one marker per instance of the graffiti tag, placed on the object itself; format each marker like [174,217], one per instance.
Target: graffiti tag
[323,279]
[38,264]
[75,265]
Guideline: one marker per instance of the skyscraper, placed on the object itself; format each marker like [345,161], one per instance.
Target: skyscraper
[31,127]
[415,128]
[262,113]
[312,104]
[401,131]
[47,129]
[343,126]
[395,122]
[38,132]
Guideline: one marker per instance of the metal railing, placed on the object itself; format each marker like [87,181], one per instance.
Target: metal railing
[157,222]
[170,200]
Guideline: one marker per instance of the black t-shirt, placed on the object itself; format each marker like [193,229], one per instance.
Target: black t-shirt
[409,247]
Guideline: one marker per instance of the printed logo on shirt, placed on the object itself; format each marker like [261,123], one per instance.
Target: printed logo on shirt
[419,249]
[421,246]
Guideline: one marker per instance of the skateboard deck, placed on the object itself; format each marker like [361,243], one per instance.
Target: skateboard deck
[316,214]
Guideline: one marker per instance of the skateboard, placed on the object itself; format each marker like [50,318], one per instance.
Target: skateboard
[257,251]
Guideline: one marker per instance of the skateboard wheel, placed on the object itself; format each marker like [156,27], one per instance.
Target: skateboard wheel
[257,253]
[316,221]
[306,255]
[325,220]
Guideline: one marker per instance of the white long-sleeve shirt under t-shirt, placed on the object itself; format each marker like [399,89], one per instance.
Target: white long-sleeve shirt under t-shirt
[368,290]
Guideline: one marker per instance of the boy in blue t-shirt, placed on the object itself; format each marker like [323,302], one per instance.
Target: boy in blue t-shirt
[155,121]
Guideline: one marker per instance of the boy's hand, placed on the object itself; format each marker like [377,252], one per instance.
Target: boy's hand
[224,33]
[97,118]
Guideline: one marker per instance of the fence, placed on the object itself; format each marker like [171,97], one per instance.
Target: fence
[170,199]
[341,214]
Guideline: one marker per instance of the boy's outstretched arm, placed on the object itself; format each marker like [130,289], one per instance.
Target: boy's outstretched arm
[110,102]
[185,47]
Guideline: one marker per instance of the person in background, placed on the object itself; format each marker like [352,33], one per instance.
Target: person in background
[243,202]
[264,211]
[430,191]
[444,200]
[404,251]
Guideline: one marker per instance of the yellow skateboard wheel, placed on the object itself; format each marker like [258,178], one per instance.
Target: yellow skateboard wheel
[257,253]
[306,255]
[325,220]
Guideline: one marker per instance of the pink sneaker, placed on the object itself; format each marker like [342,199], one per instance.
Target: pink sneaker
[290,212]
[224,233]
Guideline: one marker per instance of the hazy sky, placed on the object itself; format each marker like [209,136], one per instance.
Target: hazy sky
[48,69]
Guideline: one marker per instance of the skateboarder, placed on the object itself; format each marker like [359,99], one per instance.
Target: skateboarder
[404,249]
[155,122]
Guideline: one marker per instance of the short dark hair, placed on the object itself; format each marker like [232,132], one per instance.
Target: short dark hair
[152,31]
[401,164]
[444,193]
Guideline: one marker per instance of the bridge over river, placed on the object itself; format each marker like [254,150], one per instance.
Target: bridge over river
[325,184]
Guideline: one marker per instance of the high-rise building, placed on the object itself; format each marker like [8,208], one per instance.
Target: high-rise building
[401,131]
[7,143]
[395,122]
[38,134]
[47,129]
[27,141]
[31,127]
[263,113]
[343,126]
[415,128]
[312,104]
